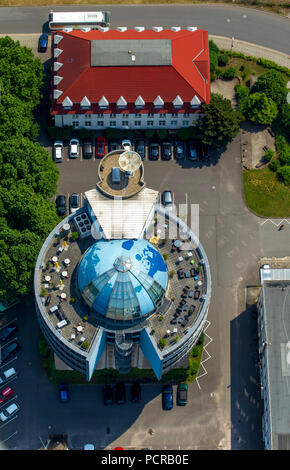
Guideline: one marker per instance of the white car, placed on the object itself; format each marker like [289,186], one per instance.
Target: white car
[74,147]
[9,412]
[126,144]
[58,150]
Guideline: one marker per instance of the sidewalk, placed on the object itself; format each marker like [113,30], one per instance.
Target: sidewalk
[252,49]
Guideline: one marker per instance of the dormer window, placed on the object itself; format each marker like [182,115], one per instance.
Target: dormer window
[139,103]
[103,103]
[177,102]
[195,102]
[85,103]
[67,103]
[158,102]
[121,103]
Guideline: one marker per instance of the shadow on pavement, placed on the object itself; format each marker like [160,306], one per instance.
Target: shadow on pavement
[246,402]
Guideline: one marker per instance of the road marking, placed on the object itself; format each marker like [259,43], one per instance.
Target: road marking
[16,432]
[8,401]
[207,358]
[6,363]
[7,324]
[274,223]
[10,380]
[9,421]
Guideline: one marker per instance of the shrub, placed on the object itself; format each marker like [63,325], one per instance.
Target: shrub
[74,236]
[162,343]
[229,73]
[149,133]
[242,68]
[86,318]
[218,72]
[171,274]
[195,351]
[176,339]
[223,59]
[242,95]
[165,256]
[201,339]
[85,345]
[162,133]
[284,158]
[161,318]
[43,292]
[284,174]
[274,165]
[43,348]
[269,154]
[261,109]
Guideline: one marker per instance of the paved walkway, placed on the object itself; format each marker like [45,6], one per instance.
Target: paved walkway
[252,49]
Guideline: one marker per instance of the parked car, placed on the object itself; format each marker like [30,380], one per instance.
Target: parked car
[140,148]
[58,151]
[88,148]
[126,144]
[5,394]
[60,203]
[154,151]
[167,397]
[120,394]
[74,203]
[114,146]
[74,148]
[100,147]
[9,412]
[136,393]
[196,294]
[167,199]
[192,152]
[179,150]
[7,374]
[42,43]
[108,393]
[9,351]
[7,332]
[181,396]
[63,391]
[9,303]
[166,151]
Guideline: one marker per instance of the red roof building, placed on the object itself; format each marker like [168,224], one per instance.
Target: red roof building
[129,79]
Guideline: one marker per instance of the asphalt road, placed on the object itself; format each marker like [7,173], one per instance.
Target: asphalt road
[265,29]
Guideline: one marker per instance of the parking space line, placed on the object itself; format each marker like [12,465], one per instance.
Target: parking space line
[8,401]
[10,380]
[9,421]
[6,363]
[7,324]
[14,434]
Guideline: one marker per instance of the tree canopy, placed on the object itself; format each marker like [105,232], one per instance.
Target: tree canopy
[220,123]
[28,176]
[261,109]
[273,84]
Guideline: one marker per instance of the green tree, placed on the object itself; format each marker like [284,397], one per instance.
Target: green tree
[220,123]
[242,95]
[261,109]
[213,59]
[223,59]
[284,174]
[273,84]
[229,73]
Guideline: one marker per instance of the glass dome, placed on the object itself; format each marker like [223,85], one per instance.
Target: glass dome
[122,279]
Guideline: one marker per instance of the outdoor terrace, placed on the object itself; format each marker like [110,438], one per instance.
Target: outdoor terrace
[128,186]
[57,281]
[187,285]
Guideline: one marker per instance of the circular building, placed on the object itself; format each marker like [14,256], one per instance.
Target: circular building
[122,280]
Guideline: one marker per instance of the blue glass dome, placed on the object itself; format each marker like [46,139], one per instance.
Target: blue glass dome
[122,279]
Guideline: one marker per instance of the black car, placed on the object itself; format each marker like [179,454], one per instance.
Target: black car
[136,393]
[179,150]
[114,146]
[74,202]
[42,43]
[108,393]
[7,352]
[166,151]
[154,152]
[63,391]
[7,332]
[140,148]
[88,150]
[120,394]
[61,205]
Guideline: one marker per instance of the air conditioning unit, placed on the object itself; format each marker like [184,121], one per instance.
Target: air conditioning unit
[83,224]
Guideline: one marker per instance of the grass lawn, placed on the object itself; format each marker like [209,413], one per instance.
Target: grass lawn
[265,195]
[251,68]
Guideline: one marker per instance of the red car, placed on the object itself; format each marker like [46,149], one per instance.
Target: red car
[5,394]
[100,147]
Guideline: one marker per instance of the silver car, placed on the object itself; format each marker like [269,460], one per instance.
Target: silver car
[74,148]
[9,412]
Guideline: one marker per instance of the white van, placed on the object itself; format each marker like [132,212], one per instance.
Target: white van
[7,374]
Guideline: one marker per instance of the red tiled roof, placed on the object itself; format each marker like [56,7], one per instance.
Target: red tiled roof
[187,76]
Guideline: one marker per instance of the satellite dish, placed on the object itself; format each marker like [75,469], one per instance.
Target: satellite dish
[130,161]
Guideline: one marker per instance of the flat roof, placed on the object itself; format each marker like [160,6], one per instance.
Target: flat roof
[111,53]
[276,295]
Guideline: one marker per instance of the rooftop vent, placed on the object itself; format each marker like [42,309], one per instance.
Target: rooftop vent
[191,28]
[139,28]
[122,29]
[83,224]
[175,28]
[157,29]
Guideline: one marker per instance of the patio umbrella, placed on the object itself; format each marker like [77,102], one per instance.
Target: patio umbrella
[177,243]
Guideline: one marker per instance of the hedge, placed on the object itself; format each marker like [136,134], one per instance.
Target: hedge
[261,61]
